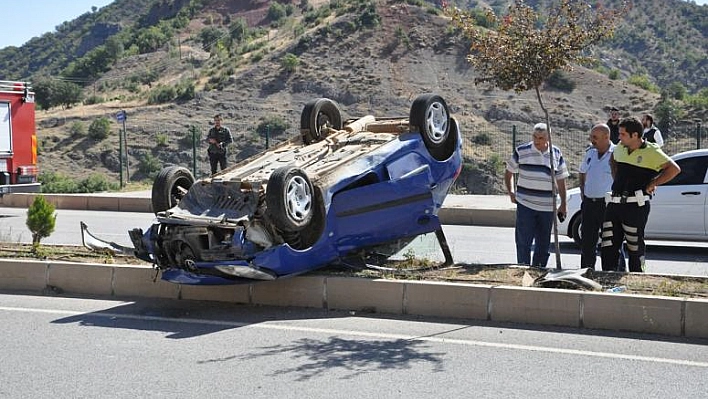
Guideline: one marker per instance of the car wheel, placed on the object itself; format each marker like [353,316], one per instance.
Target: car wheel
[169,187]
[575,229]
[318,115]
[290,199]
[431,117]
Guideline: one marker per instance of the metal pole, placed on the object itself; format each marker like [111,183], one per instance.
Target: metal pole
[194,150]
[267,135]
[120,156]
[513,137]
[127,162]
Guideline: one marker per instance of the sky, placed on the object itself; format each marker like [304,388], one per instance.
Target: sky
[24,19]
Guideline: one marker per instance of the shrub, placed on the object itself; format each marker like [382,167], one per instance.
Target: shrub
[614,74]
[99,128]
[149,165]
[41,219]
[482,139]
[643,82]
[290,62]
[77,129]
[96,183]
[273,125]
[560,80]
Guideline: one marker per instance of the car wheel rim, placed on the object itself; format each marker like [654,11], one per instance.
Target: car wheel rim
[436,119]
[298,199]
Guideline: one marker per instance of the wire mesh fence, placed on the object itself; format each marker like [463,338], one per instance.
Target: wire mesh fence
[149,149]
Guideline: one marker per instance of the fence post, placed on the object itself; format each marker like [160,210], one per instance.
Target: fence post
[194,150]
[698,135]
[513,137]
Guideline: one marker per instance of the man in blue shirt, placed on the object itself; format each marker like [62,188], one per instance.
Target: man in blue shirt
[595,180]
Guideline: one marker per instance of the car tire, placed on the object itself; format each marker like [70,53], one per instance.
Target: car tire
[169,187]
[317,115]
[290,199]
[575,229]
[431,117]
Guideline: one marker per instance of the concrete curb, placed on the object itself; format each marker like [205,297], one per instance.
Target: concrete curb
[555,307]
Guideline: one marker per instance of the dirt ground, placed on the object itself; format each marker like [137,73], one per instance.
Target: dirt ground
[412,269]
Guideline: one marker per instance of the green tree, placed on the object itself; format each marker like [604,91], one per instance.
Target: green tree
[289,62]
[99,128]
[527,46]
[41,219]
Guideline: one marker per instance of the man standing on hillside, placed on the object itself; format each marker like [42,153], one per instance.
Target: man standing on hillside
[613,124]
[638,167]
[534,195]
[652,133]
[219,137]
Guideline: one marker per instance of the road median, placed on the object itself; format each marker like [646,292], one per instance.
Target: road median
[672,316]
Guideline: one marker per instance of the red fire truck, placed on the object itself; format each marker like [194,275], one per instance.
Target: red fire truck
[18,138]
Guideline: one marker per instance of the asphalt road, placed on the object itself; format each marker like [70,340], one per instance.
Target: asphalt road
[469,244]
[81,348]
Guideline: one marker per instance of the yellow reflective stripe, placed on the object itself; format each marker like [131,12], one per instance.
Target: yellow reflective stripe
[34,149]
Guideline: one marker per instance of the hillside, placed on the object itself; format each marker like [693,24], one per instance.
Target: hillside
[371,57]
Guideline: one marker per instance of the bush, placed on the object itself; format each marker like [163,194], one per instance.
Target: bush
[96,183]
[41,219]
[57,183]
[614,74]
[290,62]
[643,82]
[99,128]
[77,129]
[560,80]
[149,165]
[482,139]
[274,126]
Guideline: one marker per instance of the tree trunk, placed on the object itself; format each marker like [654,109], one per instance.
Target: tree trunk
[554,184]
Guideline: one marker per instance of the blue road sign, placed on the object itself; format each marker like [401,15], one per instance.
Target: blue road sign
[120,116]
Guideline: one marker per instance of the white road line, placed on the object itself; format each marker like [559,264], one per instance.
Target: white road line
[274,325]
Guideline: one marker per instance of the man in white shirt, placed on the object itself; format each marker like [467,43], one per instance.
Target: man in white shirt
[651,133]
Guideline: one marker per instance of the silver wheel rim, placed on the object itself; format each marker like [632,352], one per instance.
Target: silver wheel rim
[436,120]
[298,198]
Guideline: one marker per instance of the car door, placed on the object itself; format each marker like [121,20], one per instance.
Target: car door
[678,210]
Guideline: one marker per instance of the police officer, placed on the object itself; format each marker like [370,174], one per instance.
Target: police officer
[219,137]
[595,180]
[638,167]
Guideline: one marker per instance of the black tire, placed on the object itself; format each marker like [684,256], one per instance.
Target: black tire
[431,117]
[169,187]
[317,115]
[576,228]
[290,199]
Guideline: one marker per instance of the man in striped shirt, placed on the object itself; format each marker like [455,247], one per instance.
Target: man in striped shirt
[531,162]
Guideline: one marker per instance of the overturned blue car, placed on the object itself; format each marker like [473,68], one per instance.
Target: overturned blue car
[343,189]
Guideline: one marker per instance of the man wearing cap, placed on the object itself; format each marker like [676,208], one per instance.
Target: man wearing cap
[613,124]
[638,167]
[531,162]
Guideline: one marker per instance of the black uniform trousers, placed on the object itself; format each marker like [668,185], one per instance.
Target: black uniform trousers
[624,221]
[593,214]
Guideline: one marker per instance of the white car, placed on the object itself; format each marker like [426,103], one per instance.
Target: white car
[679,209]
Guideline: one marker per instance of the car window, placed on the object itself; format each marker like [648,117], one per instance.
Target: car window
[693,171]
